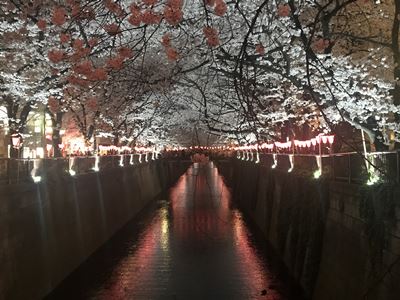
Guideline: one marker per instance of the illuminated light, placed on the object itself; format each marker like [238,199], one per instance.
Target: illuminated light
[373,174]
[331,139]
[283,145]
[121,161]
[61,146]
[96,164]
[308,143]
[146,158]
[153,156]
[317,174]
[71,165]
[62,131]
[48,147]
[373,179]
[314,142]
[252,156]
[324,139]
[140,158]
[267,146]
[275,164]
[40,152]
[291,160]
[35,177]
[131,160]
[258,158]
[16,141]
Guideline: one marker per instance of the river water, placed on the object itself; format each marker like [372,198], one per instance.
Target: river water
[192,243]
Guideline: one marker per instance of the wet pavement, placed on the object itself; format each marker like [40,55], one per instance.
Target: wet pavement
[194,245]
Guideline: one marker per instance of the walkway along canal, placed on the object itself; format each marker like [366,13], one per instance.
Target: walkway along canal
[194,245]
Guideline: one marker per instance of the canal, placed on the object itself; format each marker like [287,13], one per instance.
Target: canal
[192,243]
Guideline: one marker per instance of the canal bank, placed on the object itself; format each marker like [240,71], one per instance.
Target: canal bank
[338,240]
[49,228]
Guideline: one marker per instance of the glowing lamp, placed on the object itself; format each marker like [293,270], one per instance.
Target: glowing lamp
[313,142]
[37,179]
[275,164]
[317,174]
[16,141]
[331,139]
[258,158]
[96,164]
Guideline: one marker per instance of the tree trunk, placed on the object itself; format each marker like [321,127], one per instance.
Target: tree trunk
[116,140]
[56,141]
[396,52]
[56,137]
[14,152]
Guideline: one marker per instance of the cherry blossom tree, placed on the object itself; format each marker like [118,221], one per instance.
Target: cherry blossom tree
[235,69]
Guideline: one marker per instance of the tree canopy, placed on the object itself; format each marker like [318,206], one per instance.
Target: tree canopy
[165,70]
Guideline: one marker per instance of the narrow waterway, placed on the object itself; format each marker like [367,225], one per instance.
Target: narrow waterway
[193,244]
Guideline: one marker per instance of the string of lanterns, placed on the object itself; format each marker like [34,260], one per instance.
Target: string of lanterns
[320,139]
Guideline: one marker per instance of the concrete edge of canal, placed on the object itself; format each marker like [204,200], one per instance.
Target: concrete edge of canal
[338,240]
[49,229]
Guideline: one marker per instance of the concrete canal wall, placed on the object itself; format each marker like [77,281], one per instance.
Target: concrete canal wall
[48,229]
[338,240]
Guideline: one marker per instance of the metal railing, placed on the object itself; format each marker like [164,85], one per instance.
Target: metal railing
[19,170]
[351,167]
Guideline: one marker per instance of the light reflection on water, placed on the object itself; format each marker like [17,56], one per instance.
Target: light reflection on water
[196,245]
